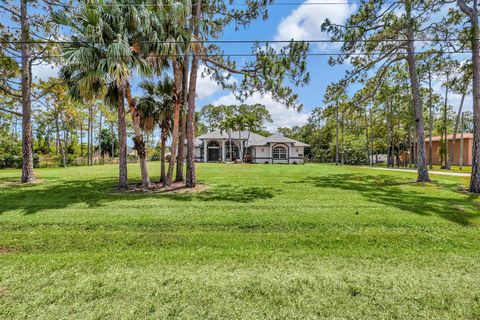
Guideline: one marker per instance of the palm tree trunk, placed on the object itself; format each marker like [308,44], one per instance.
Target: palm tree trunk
[182,127]
[177,79]
[230,146]
[181,147]
[163,141]
[191,175]
[417,100]
[241,146]
[27,139]
[139,142]
[122,141]
[457,121]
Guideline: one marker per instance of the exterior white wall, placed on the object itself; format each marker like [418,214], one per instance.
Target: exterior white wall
[262,154]
[296,154]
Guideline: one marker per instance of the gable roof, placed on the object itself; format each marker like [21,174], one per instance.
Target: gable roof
[217,135]
[278,138]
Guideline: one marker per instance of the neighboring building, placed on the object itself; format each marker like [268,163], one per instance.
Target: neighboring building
[436,147]
[215,147]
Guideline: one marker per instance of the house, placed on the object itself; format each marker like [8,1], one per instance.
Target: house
[467,149]
[220,146]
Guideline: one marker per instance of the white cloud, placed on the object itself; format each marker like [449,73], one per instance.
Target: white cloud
[44,71]
[454,99]
[281,116]
[305,22]
[206,86]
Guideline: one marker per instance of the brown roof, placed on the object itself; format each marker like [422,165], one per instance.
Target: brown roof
[450,137]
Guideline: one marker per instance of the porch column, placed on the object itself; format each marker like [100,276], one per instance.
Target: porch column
[205,150]
[223,150]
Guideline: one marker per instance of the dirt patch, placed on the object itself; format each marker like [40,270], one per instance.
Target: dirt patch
[178,187]
[16,182]
[4,250]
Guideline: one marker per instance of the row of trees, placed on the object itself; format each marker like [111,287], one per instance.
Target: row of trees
[104,43]
[386,35]
[110,41]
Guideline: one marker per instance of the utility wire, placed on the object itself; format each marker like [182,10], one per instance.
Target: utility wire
[317,3]
[229,41]
[254,55]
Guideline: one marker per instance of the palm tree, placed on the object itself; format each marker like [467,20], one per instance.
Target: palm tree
[252,123]
[100,58]
[159,102]
[228,125]
[239,125]
[169,38]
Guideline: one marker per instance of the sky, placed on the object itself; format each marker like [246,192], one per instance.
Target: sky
[285,22]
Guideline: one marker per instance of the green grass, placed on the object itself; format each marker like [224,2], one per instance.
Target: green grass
[261,242]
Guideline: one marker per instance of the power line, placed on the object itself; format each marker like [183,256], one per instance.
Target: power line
[279,4]
[359,54]
[229,41]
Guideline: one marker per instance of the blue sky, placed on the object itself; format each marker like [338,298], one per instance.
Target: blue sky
[299,22]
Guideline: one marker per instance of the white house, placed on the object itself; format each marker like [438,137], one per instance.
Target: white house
[215,147]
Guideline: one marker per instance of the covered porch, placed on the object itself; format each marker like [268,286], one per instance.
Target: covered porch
[221,150]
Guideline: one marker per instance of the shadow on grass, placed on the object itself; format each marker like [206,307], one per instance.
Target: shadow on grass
[390,191]
[58,194]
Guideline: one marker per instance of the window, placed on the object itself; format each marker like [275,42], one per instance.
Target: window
[279,152]
[233,154]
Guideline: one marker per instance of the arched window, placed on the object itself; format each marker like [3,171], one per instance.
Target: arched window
[279,152]
[213,145]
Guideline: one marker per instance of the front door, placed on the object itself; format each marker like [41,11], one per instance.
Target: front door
[214,154]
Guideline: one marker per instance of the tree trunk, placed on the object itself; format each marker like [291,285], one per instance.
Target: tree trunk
[100,134]
[457,121]
[417,101]
[472,13]
[191,175]
[27,139]
[445,124]
[163,141]
[409,146]
[475,178]
[336,134]
[460,164]
[389,137]
[342,142]
[57,133]
[113,141]
[430,120]
[181,147]
[138,141]
[183,123]
[177,79]
[122,141]
[81,139]
[367,144]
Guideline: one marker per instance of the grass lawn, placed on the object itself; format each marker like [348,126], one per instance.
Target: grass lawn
[261,242]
